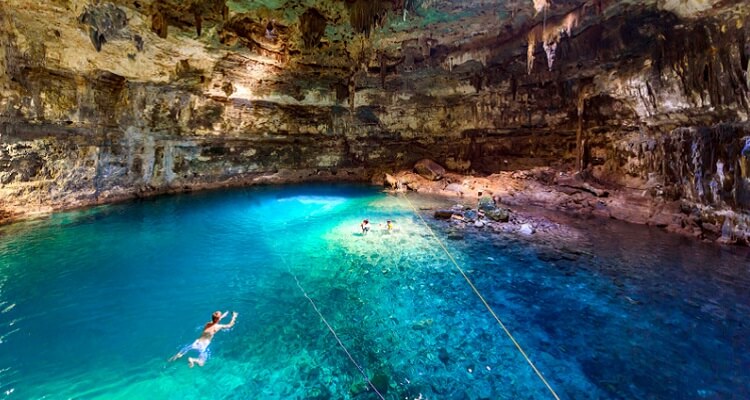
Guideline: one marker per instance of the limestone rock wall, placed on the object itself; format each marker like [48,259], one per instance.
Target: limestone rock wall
[107,100]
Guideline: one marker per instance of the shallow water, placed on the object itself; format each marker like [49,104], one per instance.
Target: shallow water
[93,303]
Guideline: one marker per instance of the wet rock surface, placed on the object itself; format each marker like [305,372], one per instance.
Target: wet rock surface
[506,193]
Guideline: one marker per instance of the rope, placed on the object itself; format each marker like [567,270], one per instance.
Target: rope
[476,291]
[330,328]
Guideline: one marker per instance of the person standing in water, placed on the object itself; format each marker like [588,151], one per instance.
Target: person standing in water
[201,344]
[365,225]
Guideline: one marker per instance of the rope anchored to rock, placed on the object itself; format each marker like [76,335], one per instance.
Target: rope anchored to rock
[476,291]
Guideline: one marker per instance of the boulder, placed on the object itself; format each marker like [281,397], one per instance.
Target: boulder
[429,169]
[498,215]
[486,204]
[392,181]
[456,188]
[443,214]
[728,234]
[526,229]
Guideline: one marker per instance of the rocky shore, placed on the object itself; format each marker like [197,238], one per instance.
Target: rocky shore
[498,196]
[497,202]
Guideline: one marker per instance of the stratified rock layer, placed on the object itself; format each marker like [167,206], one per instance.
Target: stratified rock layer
[109,100]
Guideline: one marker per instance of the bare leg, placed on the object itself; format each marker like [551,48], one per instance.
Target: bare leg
[200,361]
[182,352]
[176,356]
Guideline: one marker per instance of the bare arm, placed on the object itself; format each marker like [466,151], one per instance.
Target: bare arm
[231,323]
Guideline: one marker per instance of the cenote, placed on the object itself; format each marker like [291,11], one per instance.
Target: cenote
[94,302]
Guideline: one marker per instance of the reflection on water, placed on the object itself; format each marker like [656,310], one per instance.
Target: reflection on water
[93,303]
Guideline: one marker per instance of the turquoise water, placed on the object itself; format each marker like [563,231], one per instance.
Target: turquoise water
[93,303]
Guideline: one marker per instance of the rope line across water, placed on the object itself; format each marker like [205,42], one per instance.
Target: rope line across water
[476,291]
[330,328]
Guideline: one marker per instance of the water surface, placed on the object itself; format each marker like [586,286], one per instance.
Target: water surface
[93,303]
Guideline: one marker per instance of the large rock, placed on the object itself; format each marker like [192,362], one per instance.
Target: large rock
[526,229]
[455,188]
[443,214]
[498,215]
[486,203]
[429,169]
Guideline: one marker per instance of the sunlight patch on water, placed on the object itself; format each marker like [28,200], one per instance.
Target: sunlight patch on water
[125,287]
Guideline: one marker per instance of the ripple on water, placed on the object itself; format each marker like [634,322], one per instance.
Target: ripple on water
[93,303]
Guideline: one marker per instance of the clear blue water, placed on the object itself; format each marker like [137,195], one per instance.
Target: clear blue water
[93,303]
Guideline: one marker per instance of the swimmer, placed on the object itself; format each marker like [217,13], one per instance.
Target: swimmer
[389,225]
[365,225]
[201,344]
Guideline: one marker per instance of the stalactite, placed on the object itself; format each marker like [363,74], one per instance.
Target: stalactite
[97,39]
[105,22]
[365,14]
[540,5]
[382,69]
[550,48]
[579,134]
[313,25]
[745,159]
[513,7]
[530,51]
[352,86]
[159,24]
[198,21]
[550,35]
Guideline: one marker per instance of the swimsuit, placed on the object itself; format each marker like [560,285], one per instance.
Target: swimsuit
[201,347]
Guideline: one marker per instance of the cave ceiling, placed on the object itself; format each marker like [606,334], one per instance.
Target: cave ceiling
[162,40]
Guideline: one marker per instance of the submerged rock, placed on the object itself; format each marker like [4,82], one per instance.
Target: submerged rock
[455,236]
[443,355]
[443,214]
[381,382]
[470,215]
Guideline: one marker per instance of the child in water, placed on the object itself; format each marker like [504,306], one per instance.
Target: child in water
[365,225]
